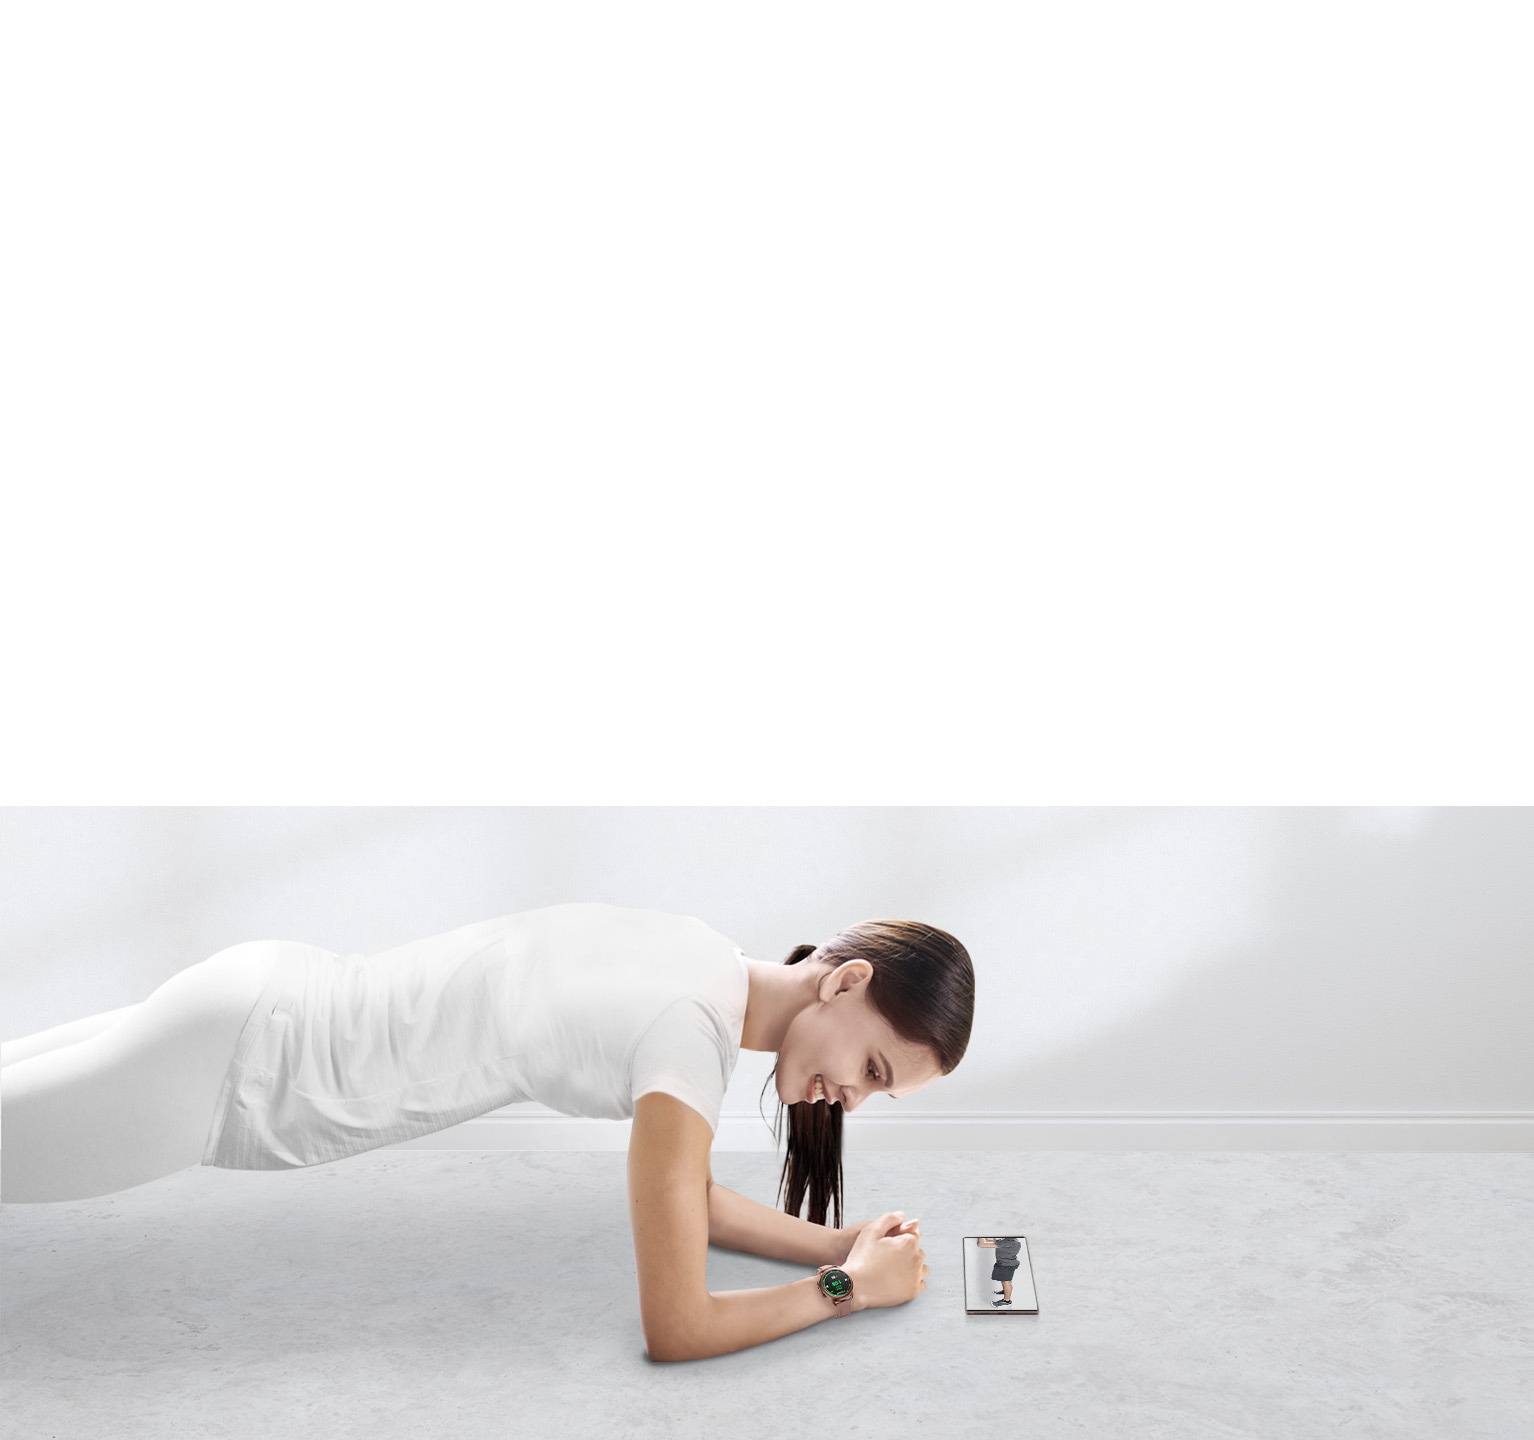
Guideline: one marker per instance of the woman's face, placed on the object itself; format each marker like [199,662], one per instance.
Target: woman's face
[844,1043]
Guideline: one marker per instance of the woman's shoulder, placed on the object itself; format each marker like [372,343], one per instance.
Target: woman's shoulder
[636,949]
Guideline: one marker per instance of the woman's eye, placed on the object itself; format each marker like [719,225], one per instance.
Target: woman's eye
[872,1071]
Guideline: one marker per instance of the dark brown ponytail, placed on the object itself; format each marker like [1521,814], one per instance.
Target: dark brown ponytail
[924,985]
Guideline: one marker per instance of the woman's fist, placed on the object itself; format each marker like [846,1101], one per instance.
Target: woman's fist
[886,1262]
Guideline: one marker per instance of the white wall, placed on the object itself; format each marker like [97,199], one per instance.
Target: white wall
[1246,967]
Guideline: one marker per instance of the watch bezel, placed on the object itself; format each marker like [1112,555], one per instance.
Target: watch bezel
[826,1274]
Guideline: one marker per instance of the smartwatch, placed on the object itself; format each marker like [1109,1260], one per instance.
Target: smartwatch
[836,1286]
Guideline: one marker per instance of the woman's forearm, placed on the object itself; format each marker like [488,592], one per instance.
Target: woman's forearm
[737,1319]
[737,1223]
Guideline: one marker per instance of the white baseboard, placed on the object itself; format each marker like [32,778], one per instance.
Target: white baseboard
[536,1128]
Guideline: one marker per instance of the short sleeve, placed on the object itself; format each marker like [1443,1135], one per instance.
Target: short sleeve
[686,1053]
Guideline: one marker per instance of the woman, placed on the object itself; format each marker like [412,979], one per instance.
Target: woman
[272,1055]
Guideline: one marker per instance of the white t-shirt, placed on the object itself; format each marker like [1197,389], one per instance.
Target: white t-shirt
[582,1007]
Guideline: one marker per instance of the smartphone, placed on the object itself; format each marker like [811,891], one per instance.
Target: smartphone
[998,1276]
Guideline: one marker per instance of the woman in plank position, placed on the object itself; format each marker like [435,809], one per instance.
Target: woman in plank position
[271,1055]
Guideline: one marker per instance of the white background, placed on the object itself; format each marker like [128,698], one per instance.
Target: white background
[825,403]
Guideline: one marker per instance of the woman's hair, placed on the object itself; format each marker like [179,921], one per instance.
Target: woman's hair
[923,985]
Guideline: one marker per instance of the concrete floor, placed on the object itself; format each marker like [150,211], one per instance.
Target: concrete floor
[459,1295]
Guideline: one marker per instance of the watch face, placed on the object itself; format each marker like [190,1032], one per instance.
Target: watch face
[836,1283]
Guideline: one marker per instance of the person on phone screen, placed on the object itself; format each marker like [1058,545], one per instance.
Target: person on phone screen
[1008,1250]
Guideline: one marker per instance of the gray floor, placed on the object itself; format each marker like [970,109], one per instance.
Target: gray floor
[453,1294]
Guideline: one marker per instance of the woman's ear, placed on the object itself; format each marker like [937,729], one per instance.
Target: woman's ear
[847,976]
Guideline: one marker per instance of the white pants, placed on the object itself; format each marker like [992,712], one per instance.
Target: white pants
[127,1096]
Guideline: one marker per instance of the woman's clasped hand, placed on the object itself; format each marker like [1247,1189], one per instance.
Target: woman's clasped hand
[886,1262]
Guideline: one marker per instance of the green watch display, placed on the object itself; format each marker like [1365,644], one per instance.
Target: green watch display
[836,1286]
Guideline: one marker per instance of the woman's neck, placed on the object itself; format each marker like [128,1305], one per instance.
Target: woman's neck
[776,995]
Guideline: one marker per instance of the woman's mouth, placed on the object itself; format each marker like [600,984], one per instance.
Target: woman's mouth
[817,1090]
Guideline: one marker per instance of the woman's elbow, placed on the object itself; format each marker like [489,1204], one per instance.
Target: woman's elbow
[671,1345]
[678,1338]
